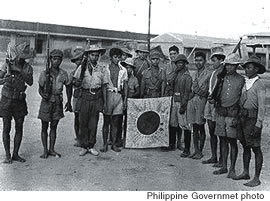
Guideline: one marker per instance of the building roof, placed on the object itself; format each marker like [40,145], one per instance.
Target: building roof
[69,31]
[190,41]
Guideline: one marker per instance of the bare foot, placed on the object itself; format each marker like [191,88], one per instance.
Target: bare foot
[217,165]
[220,171]
[254,182]
[210,160]
[7,160]
[55,154]
[104,149]
[231,174]
[243,176]
[18,158]
[44,155]
[197,156]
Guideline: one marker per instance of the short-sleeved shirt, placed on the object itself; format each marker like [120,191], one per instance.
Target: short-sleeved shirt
[201,82]
[117,79]
[58,81]
[98,78]
[132,84]
[140,66]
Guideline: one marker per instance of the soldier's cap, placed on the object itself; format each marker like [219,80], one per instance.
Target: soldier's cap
[127,62]
[217,51]
[23,50]
[154,55]
[77,54]
[257,62]
[233,59]
[181,57]
[126,51]
[95,48]
[56,53]
[142,48]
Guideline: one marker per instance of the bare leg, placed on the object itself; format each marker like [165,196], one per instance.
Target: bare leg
[6,139]
[105,132]
[18,140]
[179,137]
[44,138]
[114,129]
[225,152]
[246,162]
[234,152]
[195,140]
[213,142]
[258,167]
[53,128]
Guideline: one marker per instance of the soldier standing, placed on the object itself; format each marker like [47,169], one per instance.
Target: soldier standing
[51,107]
[227,109]
[93,82]
[252,114]
[153,80]
[141,63]
[197,104]
[14,75]
[116,100]
[182,91]
[76,59]
[217,57]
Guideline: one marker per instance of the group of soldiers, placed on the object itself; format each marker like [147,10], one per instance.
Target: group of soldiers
[232,105]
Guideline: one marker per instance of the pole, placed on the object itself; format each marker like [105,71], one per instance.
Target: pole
[149,23]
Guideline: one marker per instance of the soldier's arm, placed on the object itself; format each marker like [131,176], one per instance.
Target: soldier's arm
[261,93]
[142,87]
[28,75]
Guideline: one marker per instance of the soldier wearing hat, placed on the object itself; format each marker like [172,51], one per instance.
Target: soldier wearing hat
[227,109]
[217,57]
[76,59]
[15,73]
[252,103]
[116,100]
[92,100]
[197,104]
[181,94]
[125,54]
[140,62]
[153,79]
[51,107]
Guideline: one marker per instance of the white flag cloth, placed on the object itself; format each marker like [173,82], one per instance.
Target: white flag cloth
[148,122]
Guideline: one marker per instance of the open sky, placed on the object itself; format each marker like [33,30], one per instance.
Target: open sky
[218,18]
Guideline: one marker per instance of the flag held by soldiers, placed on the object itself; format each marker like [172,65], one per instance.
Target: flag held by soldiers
[148,122]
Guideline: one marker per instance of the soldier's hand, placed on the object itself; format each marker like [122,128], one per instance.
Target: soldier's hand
[105,108]
[256,132]
[68,107]
[234,123]
[124,106]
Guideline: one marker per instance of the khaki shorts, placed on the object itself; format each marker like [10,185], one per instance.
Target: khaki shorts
[114,103]
[224,127]
[177,119]
[210,111]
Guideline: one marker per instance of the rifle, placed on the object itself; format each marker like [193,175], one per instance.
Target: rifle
[48,82]
[84,61]
[237,47]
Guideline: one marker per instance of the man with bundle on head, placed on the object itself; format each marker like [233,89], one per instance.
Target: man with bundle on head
[116,100]
[76,59]
[15,73]
[252,114]
[153,80]
[51,107]
[227,109]
[182,92]
[92,78]
[197,104]
[217,57]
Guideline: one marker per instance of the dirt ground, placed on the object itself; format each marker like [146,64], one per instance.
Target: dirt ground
[129,170]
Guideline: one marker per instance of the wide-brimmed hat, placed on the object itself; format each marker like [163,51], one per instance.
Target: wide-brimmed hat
[56,53]
[232,59]
[154,54]
[126,51]
[217,51]
[181,57]
[128,62]
[95,48]
[255,60]
[77,53]
[142,48]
